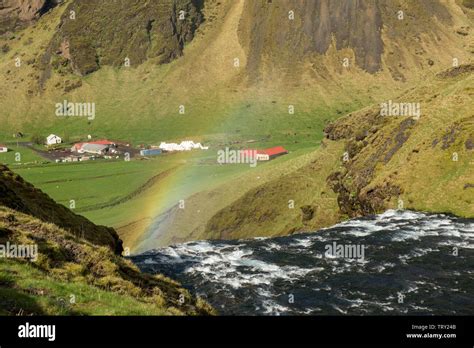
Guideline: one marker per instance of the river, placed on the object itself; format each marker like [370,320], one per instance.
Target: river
[399,262]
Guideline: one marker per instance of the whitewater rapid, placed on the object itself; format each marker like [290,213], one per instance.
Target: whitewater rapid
[411,263]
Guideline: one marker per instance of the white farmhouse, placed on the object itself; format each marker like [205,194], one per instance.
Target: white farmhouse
[53,140]
[3,148]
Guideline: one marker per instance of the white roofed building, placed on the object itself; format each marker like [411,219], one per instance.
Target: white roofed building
[53,139]
[187,145]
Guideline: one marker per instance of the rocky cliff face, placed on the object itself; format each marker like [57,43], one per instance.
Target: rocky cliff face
[387,35]
[15,14]
[124,33]
[354,24]
[119,33]
[282,32]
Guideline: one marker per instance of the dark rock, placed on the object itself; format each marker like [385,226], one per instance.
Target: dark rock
[401,137]
[453,72]
[469,144]
[308,212]
[449,137]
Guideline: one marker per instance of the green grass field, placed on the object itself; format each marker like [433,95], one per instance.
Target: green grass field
[32,291]
[19,156]
[121,193]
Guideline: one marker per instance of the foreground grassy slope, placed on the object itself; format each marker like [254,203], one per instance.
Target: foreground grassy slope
[384,162]
[74,276]
[28,291]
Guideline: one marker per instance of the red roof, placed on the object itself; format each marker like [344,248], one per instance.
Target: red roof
[101,142]
[278,150]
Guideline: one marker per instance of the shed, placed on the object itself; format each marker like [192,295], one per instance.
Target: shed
[150,152]
[53,139]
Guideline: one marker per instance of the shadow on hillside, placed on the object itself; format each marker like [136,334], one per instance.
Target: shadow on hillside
[15,302]
[18,301]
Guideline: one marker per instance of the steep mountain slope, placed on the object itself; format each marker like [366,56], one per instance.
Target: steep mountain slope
[229,45]
[130,33]
[70,273]
[423,163]
[398,36]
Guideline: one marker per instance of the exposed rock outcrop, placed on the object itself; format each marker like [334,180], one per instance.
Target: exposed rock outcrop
[124,33]
[15,14]
[281,32]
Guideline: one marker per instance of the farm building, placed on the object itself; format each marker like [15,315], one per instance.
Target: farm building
[184,146]
[271,153]
[3,148]
[150,152]
[53,140]
[78,146]
[97,149]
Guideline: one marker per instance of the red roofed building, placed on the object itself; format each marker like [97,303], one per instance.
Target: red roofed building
[102,142]
[271,153]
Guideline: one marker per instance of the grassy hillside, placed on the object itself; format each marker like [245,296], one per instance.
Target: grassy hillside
[71,276]
[424,164]
[370,163]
